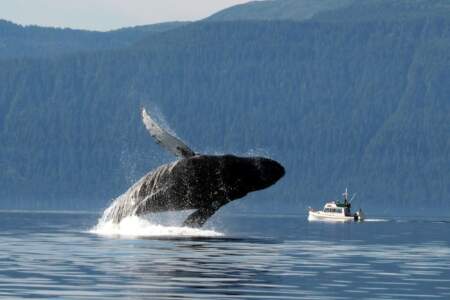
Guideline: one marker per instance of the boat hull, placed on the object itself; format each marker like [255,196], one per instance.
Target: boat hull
[322,216]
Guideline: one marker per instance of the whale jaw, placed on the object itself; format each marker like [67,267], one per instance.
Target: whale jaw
[270,171]
[234,177]
[250,174]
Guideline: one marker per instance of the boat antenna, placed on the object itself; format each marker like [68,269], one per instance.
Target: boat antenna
[353,197]
[345,194]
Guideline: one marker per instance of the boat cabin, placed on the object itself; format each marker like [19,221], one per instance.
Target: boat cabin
[337,208]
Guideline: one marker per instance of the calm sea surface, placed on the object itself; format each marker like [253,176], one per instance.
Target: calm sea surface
[60,256]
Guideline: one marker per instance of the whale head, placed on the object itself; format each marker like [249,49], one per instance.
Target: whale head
[229,177]
[251,173]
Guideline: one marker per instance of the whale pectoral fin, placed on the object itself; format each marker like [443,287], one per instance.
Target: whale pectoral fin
[199,217]
[165,139]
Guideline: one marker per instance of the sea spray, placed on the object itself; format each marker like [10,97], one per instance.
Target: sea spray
[134,227]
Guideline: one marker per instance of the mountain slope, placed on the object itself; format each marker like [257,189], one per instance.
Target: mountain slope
[295,10]
[362,104]
[18,41]
[337,10]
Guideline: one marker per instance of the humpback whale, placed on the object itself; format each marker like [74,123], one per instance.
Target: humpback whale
[194,181]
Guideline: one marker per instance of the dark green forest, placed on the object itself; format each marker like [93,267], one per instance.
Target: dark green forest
[355,96]
[293,10]
[18,41]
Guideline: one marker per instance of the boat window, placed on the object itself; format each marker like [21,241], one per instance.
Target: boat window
[339,210]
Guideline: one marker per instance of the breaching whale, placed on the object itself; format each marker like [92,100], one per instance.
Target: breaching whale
[194,181]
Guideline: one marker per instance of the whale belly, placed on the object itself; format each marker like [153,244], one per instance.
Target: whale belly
[155,192]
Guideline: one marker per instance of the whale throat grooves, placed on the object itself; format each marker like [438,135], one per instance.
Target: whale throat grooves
[148,188]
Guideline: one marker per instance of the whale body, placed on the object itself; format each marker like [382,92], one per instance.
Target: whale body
[201,182]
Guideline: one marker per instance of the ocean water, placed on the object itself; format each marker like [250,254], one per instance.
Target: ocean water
[66,256]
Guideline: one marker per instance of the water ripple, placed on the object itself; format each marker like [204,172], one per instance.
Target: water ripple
[70,264]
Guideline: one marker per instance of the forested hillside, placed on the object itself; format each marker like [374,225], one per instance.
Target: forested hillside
[18,41]
[343,10]
[293,10]
[339,101]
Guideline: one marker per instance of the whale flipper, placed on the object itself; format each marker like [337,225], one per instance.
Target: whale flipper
[199,217]
[165,139]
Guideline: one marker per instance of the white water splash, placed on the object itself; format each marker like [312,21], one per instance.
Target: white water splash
[134,227]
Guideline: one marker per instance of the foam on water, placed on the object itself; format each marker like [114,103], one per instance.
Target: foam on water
[135,226]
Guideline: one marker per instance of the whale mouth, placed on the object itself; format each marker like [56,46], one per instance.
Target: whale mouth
[260,173]
[270,171]
[277,170]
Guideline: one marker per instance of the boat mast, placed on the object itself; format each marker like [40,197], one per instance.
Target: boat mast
[345,195]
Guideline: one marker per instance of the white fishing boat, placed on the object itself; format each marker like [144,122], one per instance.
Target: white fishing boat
[336,211]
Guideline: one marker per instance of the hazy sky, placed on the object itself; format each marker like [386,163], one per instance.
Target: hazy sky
[107,14]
